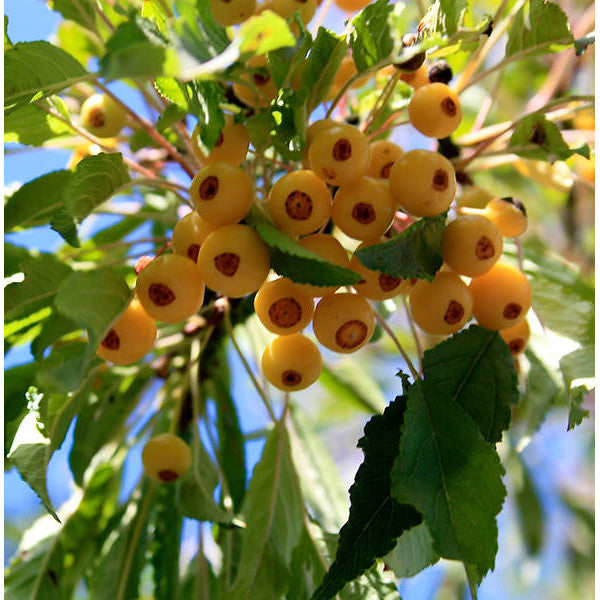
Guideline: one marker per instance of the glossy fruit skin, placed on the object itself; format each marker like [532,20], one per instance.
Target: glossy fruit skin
[287,8]
[260,89]
[311,131]
[329,249]
[509,216]
[423,183]
[516,337]
[416,79]
[282,307]
[170,288]
[232,12]
[471,245]
[473,196]
[291,362]
[343,322]
[166,457]
[221,193]
[351,5]
[345,72]
[363,210]
[383,156]
[434,110]
[442,306]
[102,116]
[340,155]
[299,203]
[376,285]
[234,260]
[130,337]
[231,147]
[188,234]
[501,297]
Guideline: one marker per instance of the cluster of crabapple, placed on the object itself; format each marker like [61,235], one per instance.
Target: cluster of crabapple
[364,188]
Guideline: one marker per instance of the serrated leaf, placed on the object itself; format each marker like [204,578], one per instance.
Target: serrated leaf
[173,90]
[36,70]
[273,513]
[95,180]
[289,259]
[32,126]
[195,494]
[475,368]
[413,552]
[539,27]
[321,66]
[449,473]
[371,37]
[448,15]
[415,253]
[536,131]
[264,32]
[206,104]
[376,519]
[286,62]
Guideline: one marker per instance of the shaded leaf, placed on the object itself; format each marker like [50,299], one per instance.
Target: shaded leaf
[413,552]
[371,37]
[80,11]
[206,105]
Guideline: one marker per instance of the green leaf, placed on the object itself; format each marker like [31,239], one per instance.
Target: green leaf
[447,16]
[536,137]
[32,126]
[416,252]
[376,520]
[81,43]
[578,365]
[273,513]
[67,366]
[17,381]
[54,327]
[449,473]
[207,105]
[7,43]
[171,115]
[475,369]
[80,11]
[174,91]
[413,552]
[36,70]
[286,62]
[371,37]
[42,276]
[263,33]
[195,494]
[539,27]
[321,66]
[289,259]
[95,180]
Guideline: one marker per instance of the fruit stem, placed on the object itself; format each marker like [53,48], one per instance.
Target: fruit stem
[415,335]
[381,102]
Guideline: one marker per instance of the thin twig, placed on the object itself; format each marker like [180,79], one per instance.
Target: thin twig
[415,335]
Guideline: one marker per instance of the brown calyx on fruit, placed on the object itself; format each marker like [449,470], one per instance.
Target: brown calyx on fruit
[454,313]
[515,346]
[342,150]
[449,107]
[285,312]
[385,170]
[209,188]
[96,117]
[329,173]
[290,377]
[351,334]
[512,310]
[364,213]
[161,294]
[111,340]
[167,475]
[439,180]
[192,252]
[219,140]
[298,205]
[388,282]
[227,263]
[261,79]
[484,248]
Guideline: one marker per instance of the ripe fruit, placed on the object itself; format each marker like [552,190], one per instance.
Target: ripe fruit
[130,337]
[508,214]
[471,245]
[258,89]
[423,183]
[340,155]
[434,110]
[383,155]
[473,197]
[517,337]
[231,12]
[343,322]
[231,147]
[188,234]
[299,203]
[311,131]
[234,260]
[329,249]
[166,458]
[416,79]
[282,307]
[345,72]
[351,5]
[363,210]
[221,193]
[102,116]
[287,8]
[376,285]
[501,297]
[441,306]
[170,288]
[291,362]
